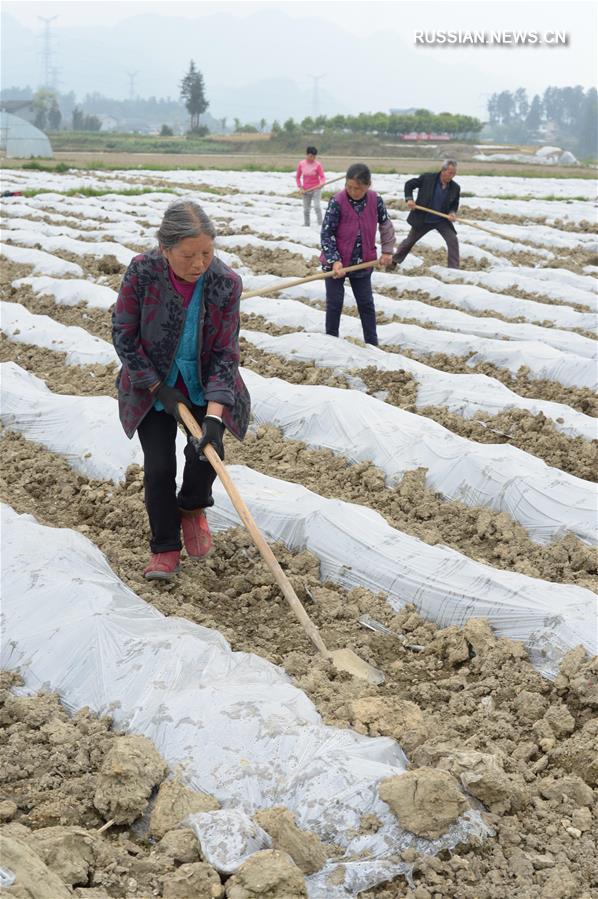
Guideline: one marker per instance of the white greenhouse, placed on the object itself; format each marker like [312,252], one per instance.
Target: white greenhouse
[21,139]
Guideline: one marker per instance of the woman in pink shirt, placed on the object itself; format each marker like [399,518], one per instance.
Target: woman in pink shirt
[310,177]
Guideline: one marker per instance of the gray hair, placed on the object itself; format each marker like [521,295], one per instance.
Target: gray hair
[183,218]
[449,162]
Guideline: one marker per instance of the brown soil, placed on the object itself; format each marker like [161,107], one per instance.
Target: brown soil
[520,742]
[96,321]
[506,218]
[481,534]
[84,380]
[574,260]
[272,366]
[468,704]
[424,297]
[51,769]
[411,507]
[581,398]
[332,161]
[536,297]
[63,776]
[431,256]
[259,323]
[282,263]
[535,434]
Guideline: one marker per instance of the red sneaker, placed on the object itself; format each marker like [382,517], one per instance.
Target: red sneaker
[196,534]
[162,566]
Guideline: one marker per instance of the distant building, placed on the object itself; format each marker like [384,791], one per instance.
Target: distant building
[423,135]
[109,123]
[410,111]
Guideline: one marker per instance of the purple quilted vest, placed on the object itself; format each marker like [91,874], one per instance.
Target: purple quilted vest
[351,223]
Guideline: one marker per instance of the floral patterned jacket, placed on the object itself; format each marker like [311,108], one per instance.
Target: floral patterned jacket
[147,324]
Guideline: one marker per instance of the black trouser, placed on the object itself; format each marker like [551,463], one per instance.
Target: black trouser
[157,433]
[361,286]
[444,229]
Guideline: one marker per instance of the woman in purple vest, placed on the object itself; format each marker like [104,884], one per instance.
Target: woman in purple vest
[348,238]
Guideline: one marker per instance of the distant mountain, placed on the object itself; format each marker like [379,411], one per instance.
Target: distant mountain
[254,67]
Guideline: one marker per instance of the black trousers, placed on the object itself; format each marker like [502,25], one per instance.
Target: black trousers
[157,433]
[444,229]
[362,291]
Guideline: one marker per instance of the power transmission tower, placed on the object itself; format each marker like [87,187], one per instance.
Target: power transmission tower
[55,80]
[315,97]
[132,77]
[47,51]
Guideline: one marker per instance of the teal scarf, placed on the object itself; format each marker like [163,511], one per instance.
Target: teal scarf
[185,360]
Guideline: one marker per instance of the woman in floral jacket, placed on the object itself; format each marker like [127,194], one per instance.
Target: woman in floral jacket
[175,328]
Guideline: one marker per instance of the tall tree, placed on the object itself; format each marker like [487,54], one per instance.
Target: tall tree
[193,93]
[54,116]
[41,104]
[505,107]
[534,116]
[588,130]
[521,104]
[78,117]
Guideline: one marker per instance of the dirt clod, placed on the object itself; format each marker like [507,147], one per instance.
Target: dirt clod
[190,880]
[426,801]
[306,849]
[173,803]
[269,874]
[131,769]
[34,880]
[109,265]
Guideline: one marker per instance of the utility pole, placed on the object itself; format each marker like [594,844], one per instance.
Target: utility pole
[315,97]
[132,77]
[47,50]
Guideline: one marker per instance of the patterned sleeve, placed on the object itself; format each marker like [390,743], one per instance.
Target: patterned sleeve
[387,230]
[381,211]
[328,234]
[225,353]
[126,336]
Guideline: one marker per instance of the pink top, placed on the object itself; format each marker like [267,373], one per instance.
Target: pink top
[312,174]
[183,288]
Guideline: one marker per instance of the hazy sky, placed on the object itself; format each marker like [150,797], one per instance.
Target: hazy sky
[452,78]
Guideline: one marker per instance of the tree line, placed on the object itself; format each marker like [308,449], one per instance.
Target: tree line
[386,124]
[567,115]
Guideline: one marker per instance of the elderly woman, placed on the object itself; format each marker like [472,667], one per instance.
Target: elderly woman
[175,328]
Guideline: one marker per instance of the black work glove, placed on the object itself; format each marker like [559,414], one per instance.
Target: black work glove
[170,397]
[213,432]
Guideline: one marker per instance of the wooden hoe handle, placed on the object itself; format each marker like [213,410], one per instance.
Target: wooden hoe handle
[467,222]
[319,276]
[256,535]
[307,190]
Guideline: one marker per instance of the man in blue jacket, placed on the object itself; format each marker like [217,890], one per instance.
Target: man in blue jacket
[436,190]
